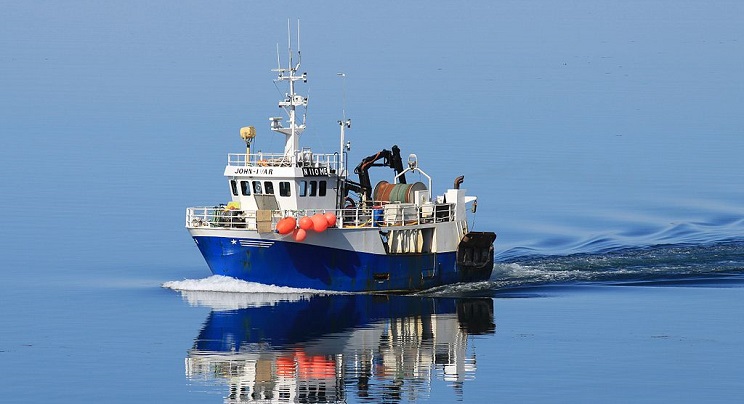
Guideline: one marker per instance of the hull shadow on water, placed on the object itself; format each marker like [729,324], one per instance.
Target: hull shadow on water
[316,348]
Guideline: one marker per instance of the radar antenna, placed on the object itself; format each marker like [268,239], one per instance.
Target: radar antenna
[291,99]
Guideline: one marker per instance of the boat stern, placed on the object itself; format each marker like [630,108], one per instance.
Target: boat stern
[475,256]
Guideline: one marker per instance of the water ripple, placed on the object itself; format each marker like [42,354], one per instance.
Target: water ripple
[690,264]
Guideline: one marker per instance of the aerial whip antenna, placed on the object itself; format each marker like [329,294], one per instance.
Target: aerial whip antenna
[345,124]
[278,61]
[289,41]
[299,52]
[343,93]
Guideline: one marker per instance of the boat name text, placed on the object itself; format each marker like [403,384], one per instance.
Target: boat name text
[314,171]
[254,171]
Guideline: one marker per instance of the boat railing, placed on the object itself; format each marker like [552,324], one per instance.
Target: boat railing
[384,214]
[220,216]
[303,158]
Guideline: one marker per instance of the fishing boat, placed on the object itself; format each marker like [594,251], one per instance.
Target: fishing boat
[298,218]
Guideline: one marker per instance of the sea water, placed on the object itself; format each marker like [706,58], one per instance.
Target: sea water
[602,138]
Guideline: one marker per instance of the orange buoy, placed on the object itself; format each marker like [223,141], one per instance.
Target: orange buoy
[280,225]
[300,235]
[306,223]
[319,222]
[330,218]
[286,225]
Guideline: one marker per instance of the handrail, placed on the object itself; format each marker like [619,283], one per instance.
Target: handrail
[300,159]
[384,215]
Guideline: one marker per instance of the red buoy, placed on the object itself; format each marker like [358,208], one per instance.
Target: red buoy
[330,218]
[306,223]
[300,235]
[286,225]
[319,222]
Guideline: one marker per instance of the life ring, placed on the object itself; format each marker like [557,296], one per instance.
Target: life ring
[263,163]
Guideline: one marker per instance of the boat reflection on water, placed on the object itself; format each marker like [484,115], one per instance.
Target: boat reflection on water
[313,348]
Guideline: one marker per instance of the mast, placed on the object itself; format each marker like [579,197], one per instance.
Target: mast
[291,99]
[345,123]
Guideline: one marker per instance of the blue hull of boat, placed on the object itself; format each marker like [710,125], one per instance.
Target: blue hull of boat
[301,265]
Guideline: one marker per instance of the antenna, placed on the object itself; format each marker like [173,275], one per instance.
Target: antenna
[278,61]
[289,42]
[345,123]
[343,94]
[299,53]
[292,100]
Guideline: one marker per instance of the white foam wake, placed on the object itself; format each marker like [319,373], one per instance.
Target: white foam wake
[217,283]
[225,293]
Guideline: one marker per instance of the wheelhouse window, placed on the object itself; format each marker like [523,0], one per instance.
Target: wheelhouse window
[284,189]
[257,187]
[310,188]
[245,187]
[322,188]
[269,187]
[234,187]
